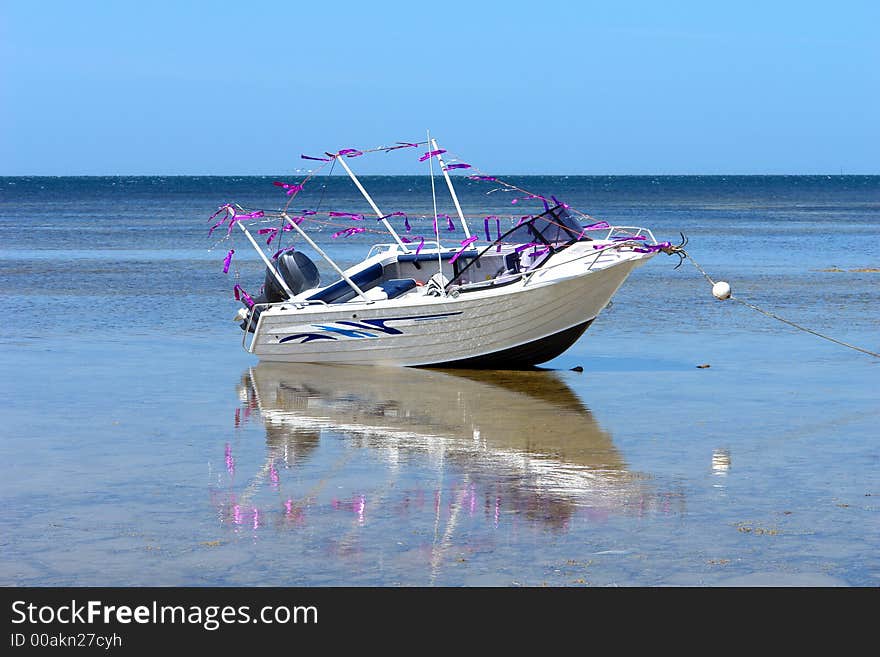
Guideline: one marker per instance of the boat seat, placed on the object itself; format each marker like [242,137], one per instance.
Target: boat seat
[432,257]
[341,291]
[396,286]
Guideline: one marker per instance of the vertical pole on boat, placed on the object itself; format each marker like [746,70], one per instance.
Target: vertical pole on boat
[434,147]
[436,225]
[320,251]
[269,265]
[379,213]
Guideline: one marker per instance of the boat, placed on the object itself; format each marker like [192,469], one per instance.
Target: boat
[514,297]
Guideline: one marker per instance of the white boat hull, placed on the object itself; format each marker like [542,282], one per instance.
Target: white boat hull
[521,324]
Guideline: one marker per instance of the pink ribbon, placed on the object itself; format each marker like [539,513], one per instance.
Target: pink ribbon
[227,260]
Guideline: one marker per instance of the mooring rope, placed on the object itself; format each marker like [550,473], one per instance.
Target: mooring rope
[696,264]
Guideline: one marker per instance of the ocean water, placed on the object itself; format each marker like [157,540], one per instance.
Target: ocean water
[142,446]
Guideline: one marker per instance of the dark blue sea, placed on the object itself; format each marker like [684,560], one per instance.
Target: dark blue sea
[142,446]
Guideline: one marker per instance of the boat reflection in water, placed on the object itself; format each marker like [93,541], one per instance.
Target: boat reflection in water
[486,445]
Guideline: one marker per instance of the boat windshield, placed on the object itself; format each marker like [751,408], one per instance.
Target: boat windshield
[551,231]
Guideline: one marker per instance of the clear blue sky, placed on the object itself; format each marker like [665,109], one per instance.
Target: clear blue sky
[517,87]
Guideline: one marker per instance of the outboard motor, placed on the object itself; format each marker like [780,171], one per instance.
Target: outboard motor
[297,270]
[300,274]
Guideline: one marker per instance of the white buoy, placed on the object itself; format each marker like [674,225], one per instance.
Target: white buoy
[721,290]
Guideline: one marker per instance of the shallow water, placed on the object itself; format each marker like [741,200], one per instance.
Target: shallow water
[143,447]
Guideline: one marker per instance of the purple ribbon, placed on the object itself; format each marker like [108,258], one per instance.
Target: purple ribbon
[464,245]
[398,214]
[558,202]
[417,237]
[280,251]
[348,232]
[291,189]
[450,225]
[487,178]
[486,226]
[527,198]
[319,159]
[241,295]
[431,154]
[350,152]
[229,213]
[460,165]
[653,248]
[599,225]
[523,247]
[227,260]
[626,238]
[271,232]
[350,215]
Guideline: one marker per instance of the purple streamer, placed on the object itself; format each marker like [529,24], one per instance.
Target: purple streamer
[241,295]
[627,238]
[431,154]
[251,215]
[232,221]
[527,198]
[486,226]
[653,248]
[417,237]
[464,245]
[229,213]
[280,251]
[350,152]
[558,202]
[460,165]
[319,159]
[523,247]
[523,219]
[398,214]
[599,225]
[291,188]
[487,178]
[348,232]
[498,232]
[350,215]
[227,260]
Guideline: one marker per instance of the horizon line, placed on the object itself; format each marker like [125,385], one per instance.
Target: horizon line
[414,175]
